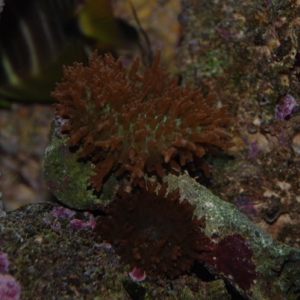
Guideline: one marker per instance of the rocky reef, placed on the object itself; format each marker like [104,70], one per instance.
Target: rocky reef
[133,150]
[248,53]
[160,221]
[78,264]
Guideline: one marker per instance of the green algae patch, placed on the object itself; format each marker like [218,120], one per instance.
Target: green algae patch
[66,176]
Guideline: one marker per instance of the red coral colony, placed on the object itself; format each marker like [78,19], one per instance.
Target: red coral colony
[131,123]
[153,232]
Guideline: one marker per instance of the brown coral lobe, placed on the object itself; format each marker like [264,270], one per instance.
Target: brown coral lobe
[131,123]
[152,232]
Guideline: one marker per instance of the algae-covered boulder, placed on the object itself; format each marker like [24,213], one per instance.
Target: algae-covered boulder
[66,176]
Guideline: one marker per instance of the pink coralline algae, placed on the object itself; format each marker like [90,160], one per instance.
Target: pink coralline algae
[137,274]
[77,224]
[62,212]
[47,221]
[56,225]
[91,222]
[285,107]
[9,288]
[4,263]
[232,256]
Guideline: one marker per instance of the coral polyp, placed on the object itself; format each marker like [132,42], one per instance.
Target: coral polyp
[131,123]
[155,233]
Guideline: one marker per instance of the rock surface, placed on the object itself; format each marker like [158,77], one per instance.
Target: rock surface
[54,251]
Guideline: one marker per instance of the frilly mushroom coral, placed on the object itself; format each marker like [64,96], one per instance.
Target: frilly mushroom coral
[131,123]
[154,233]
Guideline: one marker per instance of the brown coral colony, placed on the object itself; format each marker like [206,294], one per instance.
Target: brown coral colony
[131,123]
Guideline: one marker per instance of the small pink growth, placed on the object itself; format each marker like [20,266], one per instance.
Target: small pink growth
[62,212]
[137,274]
[78,224]
[9,288]
[91,222]
[285,107]
[4,263]
[56,225]
[47,221]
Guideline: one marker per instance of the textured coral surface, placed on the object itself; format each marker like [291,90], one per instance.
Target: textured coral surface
[129,122]
[154,233]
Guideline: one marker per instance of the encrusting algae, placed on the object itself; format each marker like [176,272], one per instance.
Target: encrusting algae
[132,123]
